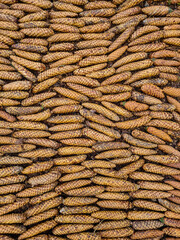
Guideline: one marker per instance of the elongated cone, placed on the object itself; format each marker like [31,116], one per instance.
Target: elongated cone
[172,91]
[148,233]
[124,13]
[47,178]
[71,94]
[117,109]
[134,123]
[171,214]
[13,206]
[113,154]
[44,85]
[84,236]
[135,106]
[122,232]
[41,216]
[157,10]
[34,191]
[174,102]
[125,160]
[173,183]
[143,30]
[159,169]
[22,110]
[159,133]
[114,204]
[121,39]
[38,167]
[108,225]
[154,186]
[147,137]
[36,117]
[74,150]
[27,54]
[43,197]
[37,98]
[5,237]
[41,152]
[70,169]
[69,160]
[115,97]
[85,191]
[12,218]
[149,205]
[132,167]
[114,88]
[161,21]
[172,222]
[8,171]
[95,117]
[109,172]
[163,159]
[109,215]
[168,149]
[136,142]
[46,205]
[149,224]
[78,142]
[152,90]
[122,188]
[146,176]
[174,199]
[98,164]
[95,135]
[170,205]
[71,228]
[38,229]
[12,179]
[82,174]
[81,80]
[137,96]
[105,130]
[117,53]
[113,182]
[81,219]
[43,142]
[147,38]
[128,4]
[109,145]
[79,209]
[149,72]
[92,93]
[175,232]
[102,110]
[157,81]
[130,58]
[144,215]
[29,64]
[6,199]
[116,78]
[150,194]
[135,66]
[12,229]
[164,124]
[163,107]
[115,196]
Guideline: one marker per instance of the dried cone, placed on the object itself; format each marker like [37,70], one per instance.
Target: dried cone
[42,227]
[148,233]
[152,90]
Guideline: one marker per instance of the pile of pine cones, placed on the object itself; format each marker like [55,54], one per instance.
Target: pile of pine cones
[89,120]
